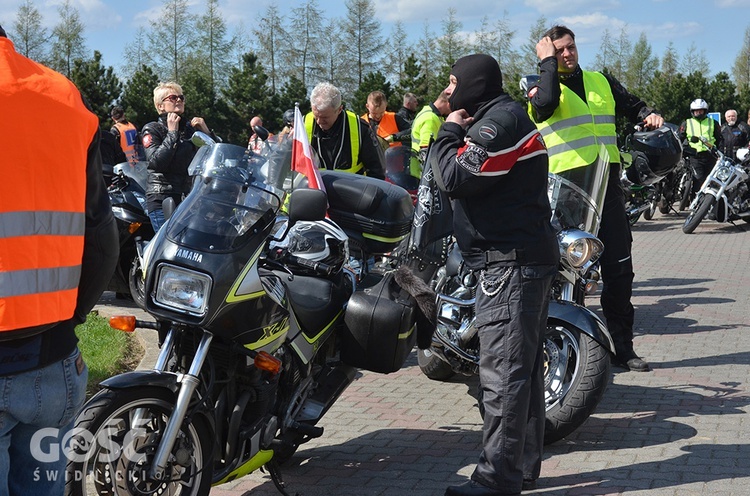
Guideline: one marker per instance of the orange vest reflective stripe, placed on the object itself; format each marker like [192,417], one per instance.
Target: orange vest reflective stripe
[128,137]
[387,126]
[43,192]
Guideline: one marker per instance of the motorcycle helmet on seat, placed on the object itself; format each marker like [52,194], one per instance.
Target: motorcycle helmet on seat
[318,241]
[655,154]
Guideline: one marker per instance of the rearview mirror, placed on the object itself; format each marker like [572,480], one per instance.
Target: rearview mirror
[200,138]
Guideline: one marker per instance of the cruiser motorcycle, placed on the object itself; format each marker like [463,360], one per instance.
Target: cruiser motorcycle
[724,195]
[577,344]
[264,319]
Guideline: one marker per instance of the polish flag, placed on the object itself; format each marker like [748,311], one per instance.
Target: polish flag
[303,159]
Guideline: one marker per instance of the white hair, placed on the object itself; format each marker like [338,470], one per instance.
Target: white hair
[325,96]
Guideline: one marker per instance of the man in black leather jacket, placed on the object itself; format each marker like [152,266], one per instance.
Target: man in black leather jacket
[492,162]
[169,150]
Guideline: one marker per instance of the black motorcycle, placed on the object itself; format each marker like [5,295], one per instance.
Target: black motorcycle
[263,320]
[127,194]
[577,344]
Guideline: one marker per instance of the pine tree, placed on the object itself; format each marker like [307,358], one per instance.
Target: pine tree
[137,98]
[98,84]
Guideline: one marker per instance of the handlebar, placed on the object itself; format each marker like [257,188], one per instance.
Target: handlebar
[319,268]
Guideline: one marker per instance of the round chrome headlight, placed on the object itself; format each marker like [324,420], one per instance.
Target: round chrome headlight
[723,173]
[579,248]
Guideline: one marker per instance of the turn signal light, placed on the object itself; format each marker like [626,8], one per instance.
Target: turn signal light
[124,323]
[133,227]
[265,361]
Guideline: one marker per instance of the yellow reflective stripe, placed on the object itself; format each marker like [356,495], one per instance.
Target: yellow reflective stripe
[408,333]
[324,330]
[233,297]
[383,238]
[36,281]
[354,140]
[42,223]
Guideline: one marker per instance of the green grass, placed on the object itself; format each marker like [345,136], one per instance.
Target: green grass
[107,352]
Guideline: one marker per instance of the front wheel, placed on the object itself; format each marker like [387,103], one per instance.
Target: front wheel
[698,214]
[137,283]
[433,366]
[115,439]
[686,190]
[649,213]
[576,374]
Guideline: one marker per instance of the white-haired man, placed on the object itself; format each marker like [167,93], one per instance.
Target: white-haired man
[341,140]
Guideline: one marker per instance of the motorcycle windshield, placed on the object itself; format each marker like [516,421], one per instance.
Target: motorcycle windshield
[230,201]
[138,172]
[577,196]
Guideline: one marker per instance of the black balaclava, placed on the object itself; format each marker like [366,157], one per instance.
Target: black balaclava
[479,80]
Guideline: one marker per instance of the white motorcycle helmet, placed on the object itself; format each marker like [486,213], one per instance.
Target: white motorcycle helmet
[319,241]
[698,104]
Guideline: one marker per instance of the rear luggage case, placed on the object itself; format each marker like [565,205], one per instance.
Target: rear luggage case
[375,214]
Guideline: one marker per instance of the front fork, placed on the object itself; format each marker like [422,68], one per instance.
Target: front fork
[188,384]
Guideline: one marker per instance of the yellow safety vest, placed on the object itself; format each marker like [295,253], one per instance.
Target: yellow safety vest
[703,128]
[577,128]
[352,120]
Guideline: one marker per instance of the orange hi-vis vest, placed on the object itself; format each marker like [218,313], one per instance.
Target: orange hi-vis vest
[43,192]
[128,137]
[387,125]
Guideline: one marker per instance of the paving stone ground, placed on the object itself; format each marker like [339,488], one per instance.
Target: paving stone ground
[680,430]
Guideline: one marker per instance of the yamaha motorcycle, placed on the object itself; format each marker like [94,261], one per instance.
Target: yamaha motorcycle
[265,310]
[724,195]
[577,344]
[127,194]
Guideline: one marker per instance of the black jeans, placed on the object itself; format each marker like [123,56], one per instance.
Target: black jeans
[511,308]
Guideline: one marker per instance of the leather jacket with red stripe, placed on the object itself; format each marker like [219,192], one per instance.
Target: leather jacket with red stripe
[496,174]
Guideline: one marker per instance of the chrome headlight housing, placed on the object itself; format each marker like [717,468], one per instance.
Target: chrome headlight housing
[723,173]
[181,289]
[579,249]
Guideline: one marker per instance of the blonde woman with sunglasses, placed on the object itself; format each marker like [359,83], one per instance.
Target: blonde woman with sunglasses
[169,151]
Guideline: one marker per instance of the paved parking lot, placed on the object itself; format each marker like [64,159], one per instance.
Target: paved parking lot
[681,429]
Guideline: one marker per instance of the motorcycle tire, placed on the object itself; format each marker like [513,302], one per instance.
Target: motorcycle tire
[633,218]
[686,190]
[137,283]
[664,206]
[110,455]
[433,366]
[577,371]
[573,387]
[649,214]
[698,214]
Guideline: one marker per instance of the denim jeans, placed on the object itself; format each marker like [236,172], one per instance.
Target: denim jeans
[157,218]
[37,409]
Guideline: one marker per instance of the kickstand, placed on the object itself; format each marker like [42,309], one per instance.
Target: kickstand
[275,473]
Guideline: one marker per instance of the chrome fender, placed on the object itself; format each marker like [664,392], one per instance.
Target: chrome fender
[567,313]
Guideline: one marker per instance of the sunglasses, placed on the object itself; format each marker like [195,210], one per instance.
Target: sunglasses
[175,98]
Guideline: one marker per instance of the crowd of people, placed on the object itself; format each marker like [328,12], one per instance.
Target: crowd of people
[489,153]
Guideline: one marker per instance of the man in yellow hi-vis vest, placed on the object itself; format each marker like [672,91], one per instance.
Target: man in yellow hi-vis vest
[341,140]
[58,249]
[575,112]
[700,125]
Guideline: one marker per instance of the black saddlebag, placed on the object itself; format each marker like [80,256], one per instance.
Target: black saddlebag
[374,213]
[380,327]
